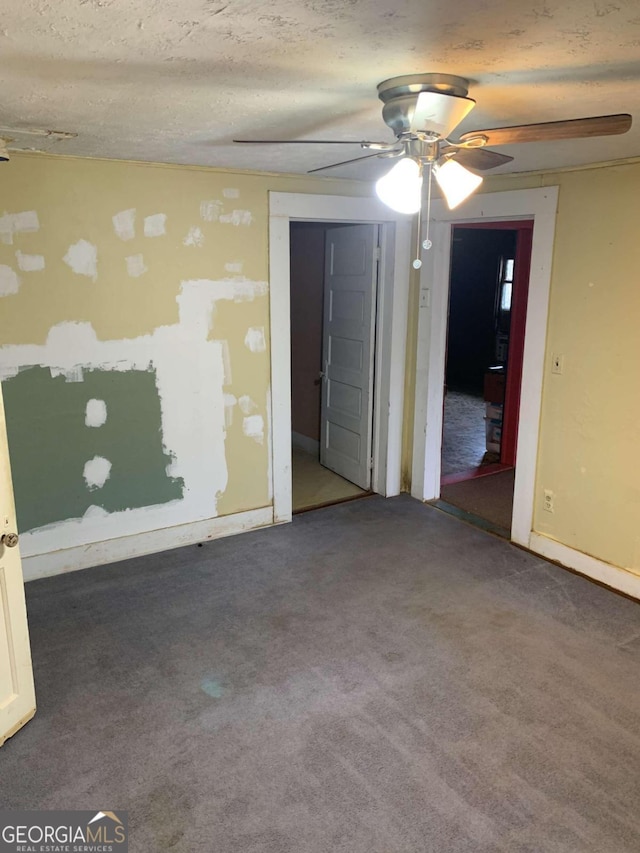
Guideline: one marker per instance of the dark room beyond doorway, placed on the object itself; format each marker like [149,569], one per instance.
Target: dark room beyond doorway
[485,339]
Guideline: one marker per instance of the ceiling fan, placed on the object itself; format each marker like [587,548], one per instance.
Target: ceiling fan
[422,110]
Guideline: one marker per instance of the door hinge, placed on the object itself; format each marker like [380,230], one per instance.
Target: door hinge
[378,253]
[371,463]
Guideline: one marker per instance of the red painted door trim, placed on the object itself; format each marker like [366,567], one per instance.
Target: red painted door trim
[511,411]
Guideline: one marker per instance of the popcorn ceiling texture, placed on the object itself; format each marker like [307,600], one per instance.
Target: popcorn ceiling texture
[175,82]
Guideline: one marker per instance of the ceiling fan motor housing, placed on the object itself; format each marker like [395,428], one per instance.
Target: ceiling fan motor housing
[399,96]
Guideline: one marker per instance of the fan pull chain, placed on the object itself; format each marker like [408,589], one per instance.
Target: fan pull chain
[426,244]
[417,263]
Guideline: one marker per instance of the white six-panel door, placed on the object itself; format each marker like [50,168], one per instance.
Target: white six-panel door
[351,269]
[17,697]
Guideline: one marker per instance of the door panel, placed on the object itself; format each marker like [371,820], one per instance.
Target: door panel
[351,270]
[17,697]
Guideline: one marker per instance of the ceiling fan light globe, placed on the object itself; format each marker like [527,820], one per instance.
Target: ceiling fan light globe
[401,188]
[456,182]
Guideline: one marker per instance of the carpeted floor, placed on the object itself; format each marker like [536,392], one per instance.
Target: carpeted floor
[464,434]
[490,497]
[376,677]
[314,485]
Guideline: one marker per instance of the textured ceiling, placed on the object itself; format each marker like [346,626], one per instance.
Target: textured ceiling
[176,81]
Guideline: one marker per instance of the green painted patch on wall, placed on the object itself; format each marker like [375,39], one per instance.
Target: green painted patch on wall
[49,444]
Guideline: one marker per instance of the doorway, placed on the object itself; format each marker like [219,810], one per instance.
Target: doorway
[540,206]
[488,288]
[334,285]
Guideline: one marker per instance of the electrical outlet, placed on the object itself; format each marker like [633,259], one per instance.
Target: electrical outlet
[557,362]
[547,503]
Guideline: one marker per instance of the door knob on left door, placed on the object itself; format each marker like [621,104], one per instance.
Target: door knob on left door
[9,540]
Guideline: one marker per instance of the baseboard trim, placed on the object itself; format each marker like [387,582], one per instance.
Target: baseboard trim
[309,445]
[151,542]
[622,580]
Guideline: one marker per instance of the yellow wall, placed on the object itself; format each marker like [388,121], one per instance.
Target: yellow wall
[76,200]
[590,423]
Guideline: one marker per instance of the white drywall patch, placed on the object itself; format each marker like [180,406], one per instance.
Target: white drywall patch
[124,224]
[9,280]
[82,257]
[229,402]
[155,225]
[71,374]
[26,222]
[210,210]
[30,263]
[195,237]
[230,192]
[95,413]
[226,362]
[135,265]
[237,217]
[253,427]
[233,266]
[17,223]
[94,511]
[96,472]
[247,405]
[254,339]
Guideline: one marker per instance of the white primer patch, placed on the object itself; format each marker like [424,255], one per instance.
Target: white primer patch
[230,192]
[30,263]
[247,404]
[71,374]
[82,257]
[124,224]
[96,472]
[155,225]
[254,339]
[229,402]
[195,237]
[233,266]
[210,210]
[135,265]
[94,511]
[253,427]
[95,413]
[17,223]
[9,280]
[226,362]
[237,217]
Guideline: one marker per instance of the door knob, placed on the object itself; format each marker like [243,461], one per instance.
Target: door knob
[9,540]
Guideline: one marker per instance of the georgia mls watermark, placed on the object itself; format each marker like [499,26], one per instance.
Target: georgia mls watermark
[63,832]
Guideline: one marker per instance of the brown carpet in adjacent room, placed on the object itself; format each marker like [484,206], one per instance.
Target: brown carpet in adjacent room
[490,497]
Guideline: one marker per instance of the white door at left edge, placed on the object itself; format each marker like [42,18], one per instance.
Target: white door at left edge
[17,695]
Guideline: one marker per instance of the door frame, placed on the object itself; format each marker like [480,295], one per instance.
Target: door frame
[539,205]
[511,403]
[391,333]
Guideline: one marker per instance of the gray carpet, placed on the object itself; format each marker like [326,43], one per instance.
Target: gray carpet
[377,677]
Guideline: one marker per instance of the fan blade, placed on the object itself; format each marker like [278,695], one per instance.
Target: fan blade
[438,113]
[380,146]
[551,131]
[343,163]
[480,159]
